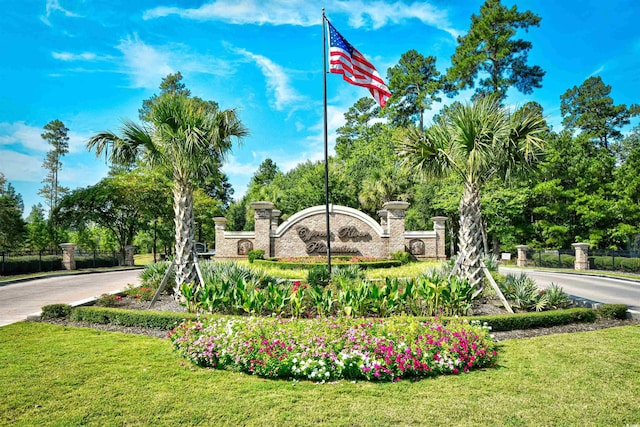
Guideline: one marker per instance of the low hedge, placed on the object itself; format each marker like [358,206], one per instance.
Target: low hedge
[167,320]
[164,320]
[543,319]
[309,265]
[613,311]
[55,311]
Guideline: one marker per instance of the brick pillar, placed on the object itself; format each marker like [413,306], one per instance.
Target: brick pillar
[395,222]
[582,256]
[221,225]
[382,213]
[262,226]
[275,219]
[129,251]
[522,255]
[439,227]
[68,256]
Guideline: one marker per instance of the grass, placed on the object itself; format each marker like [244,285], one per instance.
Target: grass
[54,375]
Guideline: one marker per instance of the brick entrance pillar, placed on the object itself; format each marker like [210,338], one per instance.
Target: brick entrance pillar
[522,255]
[395,222]
[221,225]
[68,256]
[440,228]
[262,227]
[582,256]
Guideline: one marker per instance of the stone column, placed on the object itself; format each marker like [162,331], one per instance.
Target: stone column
[68,256]
[522,255]
[128,255]
[262,226]
[275,219]
[582,256]
[221,225]
[395,222]
[439,226]
[382,213]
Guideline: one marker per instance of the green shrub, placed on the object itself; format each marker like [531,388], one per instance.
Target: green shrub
[163,320]
[613,311]
[631,265]
[108,300]
[152,275]
[255,254]
[55,311]
[141,293]
[318,276]
[544,319]
[554,261]
[351,272]
[402,256]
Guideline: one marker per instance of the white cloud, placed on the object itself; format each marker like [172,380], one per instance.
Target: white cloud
[54,6]
[21,167]
[30,139]
[147,64]
[599,70]
[277,80]
[375,14]
[67,56]
[19,133]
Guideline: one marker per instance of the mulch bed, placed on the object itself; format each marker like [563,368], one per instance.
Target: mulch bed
[485,307]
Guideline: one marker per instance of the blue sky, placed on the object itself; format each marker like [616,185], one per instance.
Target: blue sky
[90,63]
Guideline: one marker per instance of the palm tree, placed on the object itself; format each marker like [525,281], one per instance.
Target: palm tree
[476,142]
[188,139]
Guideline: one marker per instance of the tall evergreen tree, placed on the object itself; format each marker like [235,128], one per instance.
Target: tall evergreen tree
[56,135]
[491,51]
[589,107]
[415,84]
[11,223]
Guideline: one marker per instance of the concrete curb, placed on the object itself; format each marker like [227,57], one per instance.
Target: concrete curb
[75,273]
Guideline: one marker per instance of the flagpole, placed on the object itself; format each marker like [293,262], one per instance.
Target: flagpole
[326,150]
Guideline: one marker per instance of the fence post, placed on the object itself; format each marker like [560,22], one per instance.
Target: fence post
[68,256]
[39,261]
[3,263]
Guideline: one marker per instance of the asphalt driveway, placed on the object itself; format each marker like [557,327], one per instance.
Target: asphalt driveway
[19,300]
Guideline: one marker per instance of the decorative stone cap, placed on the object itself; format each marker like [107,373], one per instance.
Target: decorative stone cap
[396,205]
[382,213]
[582,246]
[220,220]
[522,247]
[262,205]
[276,213]
[67,246]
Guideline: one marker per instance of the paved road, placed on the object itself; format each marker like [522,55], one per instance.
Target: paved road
[601,289]
[19,300]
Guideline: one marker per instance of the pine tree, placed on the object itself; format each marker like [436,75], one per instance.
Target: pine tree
[56,135]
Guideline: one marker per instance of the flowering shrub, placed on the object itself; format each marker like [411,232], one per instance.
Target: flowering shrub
[335,348]
[108,300]
[142,293]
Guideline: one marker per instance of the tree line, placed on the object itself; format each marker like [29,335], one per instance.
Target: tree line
[584,184]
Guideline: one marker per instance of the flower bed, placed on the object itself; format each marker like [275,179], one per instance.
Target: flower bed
[335,348]
[312,261]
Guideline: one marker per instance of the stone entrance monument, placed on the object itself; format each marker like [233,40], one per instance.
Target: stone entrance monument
[353,233]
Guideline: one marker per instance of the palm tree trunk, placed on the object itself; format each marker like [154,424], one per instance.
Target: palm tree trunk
[184,222]
[470,238]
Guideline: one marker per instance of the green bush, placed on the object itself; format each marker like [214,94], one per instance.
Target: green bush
[255,254]
[554,261]
[55,311]
[152,275]
[402,256]
[613,311]
[31,264]
[631,265]
[163,320]
[318,276]
[544,319]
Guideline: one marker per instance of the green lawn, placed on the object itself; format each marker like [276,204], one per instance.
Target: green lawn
[53,375]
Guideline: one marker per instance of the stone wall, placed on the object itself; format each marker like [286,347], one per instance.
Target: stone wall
[353,233]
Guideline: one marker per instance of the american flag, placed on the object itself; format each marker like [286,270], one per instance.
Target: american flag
[347,60]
